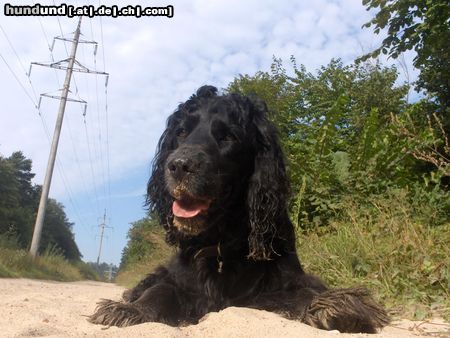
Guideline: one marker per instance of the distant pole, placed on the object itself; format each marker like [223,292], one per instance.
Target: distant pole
[103,225]
[110,272]
[51,160]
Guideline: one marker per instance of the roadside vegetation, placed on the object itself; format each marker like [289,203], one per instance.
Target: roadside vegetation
[146,249]
[15,262]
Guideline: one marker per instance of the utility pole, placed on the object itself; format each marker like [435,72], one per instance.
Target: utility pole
[71,61]
[110,274]
[51,159]
[103,226]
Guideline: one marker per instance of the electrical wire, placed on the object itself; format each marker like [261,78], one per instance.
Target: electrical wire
[106,111]
[18,81]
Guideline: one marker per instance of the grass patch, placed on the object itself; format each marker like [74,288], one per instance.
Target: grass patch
[51,265]
[158,252]
[403,260]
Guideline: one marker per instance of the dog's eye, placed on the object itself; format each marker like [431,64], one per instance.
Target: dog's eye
[181,132]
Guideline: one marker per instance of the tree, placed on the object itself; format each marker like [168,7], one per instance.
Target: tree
[335,129]
[16,197]
[19,200]
[146,246]
[140,241]
[58,231]
[422,25]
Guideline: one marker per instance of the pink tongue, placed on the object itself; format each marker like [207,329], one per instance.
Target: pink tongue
[188,210]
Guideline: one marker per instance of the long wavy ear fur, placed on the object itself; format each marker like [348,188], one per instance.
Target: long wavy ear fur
[268,188]
[158,200]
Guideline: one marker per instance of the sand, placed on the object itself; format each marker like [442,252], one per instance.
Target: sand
[33,308]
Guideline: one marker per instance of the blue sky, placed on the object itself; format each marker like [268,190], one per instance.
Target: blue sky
[154,63]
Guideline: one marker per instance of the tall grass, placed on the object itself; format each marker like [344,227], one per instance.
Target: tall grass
[17,263]
[388,247]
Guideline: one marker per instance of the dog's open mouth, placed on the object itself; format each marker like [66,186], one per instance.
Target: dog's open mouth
[190,213]
[189,207]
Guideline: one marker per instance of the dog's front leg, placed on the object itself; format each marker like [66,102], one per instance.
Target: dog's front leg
[347,310]
[159,303]
[158,276]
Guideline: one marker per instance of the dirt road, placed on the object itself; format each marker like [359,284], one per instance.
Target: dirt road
[32,308]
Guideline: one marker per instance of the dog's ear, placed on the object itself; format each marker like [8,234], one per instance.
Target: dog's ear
[158,200]
[268,187]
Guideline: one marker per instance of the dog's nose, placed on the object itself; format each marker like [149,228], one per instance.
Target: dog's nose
[179,167]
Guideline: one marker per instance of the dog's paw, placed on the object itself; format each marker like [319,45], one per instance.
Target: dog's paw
[347,310]
[111,313]
[128,296]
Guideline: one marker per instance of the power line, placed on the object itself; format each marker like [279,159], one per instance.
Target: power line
[106,111]
[102,163]
[20,62]
[102,149]
[94,191]
[13,49]
[91,165]
[107,145]
[64,180]
[48,45]
[18,81]
[77,161]
[102,44]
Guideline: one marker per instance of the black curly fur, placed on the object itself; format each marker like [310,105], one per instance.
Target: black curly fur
[241,250]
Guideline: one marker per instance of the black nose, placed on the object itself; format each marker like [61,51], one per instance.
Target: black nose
[179,167]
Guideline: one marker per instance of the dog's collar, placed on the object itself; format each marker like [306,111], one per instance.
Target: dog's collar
[211,251]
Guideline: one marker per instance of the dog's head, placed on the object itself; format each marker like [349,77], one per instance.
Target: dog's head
[219,166]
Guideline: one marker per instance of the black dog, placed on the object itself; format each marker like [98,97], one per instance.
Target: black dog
[220,188]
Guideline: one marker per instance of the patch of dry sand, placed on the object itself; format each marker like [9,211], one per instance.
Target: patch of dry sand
[33,308]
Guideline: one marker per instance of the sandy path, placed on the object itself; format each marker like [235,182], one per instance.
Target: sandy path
[32,308]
